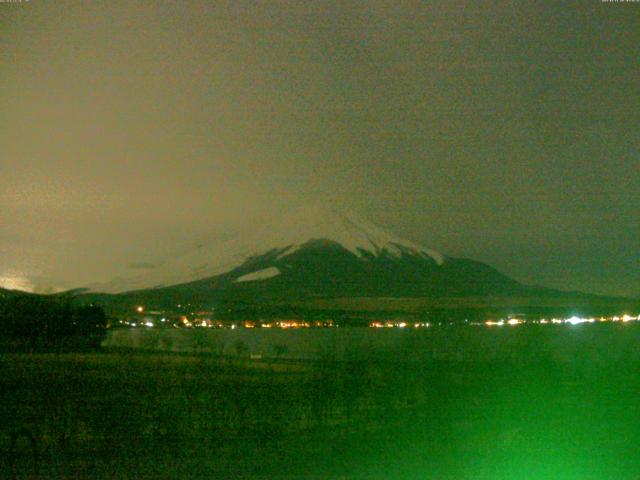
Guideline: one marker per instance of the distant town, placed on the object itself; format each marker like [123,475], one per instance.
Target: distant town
[140,317]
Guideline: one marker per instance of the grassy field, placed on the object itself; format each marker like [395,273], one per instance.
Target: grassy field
[151,415]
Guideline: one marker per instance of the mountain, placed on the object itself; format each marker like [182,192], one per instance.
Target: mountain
[319,257]
[6,293]
[313,251]
[285,236]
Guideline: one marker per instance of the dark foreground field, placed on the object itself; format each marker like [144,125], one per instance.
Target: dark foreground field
[145,415]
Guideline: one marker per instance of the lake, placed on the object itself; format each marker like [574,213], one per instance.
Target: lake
[561,343]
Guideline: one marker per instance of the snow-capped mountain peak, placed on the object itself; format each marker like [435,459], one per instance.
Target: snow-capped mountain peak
[285,234]
[352,233]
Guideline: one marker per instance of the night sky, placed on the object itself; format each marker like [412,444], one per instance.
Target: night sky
[507,132]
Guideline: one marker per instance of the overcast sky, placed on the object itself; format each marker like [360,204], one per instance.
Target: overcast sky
[507,132]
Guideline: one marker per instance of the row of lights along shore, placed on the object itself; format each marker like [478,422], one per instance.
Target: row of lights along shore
[510,321]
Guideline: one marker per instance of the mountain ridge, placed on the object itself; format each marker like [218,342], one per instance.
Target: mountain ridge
[318,258]
[287,234]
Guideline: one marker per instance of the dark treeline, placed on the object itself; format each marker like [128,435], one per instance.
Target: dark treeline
[240,312]
[36,322]
[254,312]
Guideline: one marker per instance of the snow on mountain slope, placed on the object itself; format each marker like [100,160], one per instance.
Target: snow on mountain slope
[263,274]
[355,235]
[286,233]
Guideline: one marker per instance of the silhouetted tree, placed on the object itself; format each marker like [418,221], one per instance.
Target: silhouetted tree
[36,321]
[241,348]
[280,349]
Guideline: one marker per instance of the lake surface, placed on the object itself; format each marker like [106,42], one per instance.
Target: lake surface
[596,343]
